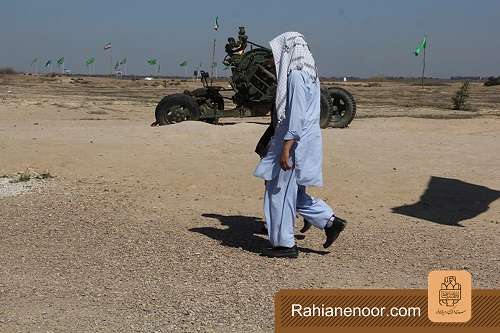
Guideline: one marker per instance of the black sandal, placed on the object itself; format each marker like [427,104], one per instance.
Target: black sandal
[282,252]
[333,232]
[307,226]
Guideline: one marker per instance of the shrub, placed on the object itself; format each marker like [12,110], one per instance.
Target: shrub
[461,97]
[7,70]
[492,81]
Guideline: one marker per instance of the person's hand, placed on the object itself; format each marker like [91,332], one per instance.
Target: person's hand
[285,155]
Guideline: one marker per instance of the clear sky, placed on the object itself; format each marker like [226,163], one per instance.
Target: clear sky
[356,37]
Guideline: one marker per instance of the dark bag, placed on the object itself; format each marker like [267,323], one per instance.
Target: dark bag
[263,144]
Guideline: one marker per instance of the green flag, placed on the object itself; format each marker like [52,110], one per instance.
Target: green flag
[60,61]
[90,61]
[124,61]
[152,62]
[421,46]
[34,61]
[183,64]
[216,25]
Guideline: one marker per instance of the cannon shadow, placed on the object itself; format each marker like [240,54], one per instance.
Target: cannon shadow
[241,232]
[449,201]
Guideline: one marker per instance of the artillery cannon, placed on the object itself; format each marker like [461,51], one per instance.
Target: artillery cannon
[254,85]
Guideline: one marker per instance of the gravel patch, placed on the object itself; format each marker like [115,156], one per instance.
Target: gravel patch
[10,189]
[27,181]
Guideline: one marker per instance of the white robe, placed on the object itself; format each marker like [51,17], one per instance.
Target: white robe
[301,123]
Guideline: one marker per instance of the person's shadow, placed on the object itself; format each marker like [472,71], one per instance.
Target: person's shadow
[450,201]
[241,232]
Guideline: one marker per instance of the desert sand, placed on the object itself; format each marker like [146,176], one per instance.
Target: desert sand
[157,229]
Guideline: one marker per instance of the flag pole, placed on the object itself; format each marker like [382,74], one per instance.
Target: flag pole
[212,67]
[111,61]
[423,63]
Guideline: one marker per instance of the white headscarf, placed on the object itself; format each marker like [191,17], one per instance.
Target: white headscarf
[290,51]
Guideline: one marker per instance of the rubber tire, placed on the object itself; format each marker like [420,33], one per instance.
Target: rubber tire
[350,104]
[325,116]
[220,107]
[183,100]
[260,113]
[262,110]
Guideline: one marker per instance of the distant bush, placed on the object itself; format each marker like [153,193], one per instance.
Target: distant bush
[492,81]
[461,97]
[465,78]
[7,70]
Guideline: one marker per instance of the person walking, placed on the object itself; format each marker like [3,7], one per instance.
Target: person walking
[293,160]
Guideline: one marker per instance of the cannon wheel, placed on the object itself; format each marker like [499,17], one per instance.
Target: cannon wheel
[325,115]
[176,108]
[219,101]
[342,105]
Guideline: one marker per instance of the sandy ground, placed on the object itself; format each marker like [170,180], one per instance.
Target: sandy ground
[156,229]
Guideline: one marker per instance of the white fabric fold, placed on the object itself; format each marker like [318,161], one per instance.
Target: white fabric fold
[290,51]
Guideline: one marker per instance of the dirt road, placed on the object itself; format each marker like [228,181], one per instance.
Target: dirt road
[156,229]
